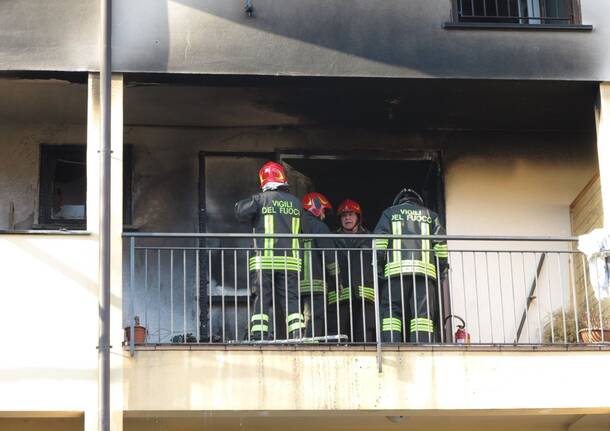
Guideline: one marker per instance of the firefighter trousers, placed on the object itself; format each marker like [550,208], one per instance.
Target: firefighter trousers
[407,299]
[354,316]
[317,325]
[276,305]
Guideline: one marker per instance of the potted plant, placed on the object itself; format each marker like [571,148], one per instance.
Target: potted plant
[139,332]
[591,329]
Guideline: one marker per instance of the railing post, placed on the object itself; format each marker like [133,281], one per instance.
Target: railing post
[377,316]
[132,268]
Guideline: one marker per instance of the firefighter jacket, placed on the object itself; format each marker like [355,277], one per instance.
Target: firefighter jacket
[355,267]
[273,212]
[317,253]
[413,256]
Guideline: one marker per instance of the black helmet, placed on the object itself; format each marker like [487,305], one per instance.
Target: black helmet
[408,195]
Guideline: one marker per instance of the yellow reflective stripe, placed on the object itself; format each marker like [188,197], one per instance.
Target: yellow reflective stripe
[366,292]
[316,286]
[262,317]
[422,324]
[397,243]
[296,226]
[279,263]
[410,266]
[268,242]
[381,243]
[295,326]
[259,328]
[294,316]
[307,260]
[391,324]
[425,244]
[441,250]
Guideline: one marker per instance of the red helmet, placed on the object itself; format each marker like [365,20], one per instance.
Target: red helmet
[272,172]
[349,205]
[316,203]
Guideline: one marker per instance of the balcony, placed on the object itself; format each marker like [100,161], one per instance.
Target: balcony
[526,304]
[194,289]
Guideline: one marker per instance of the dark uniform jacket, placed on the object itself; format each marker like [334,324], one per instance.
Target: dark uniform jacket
[355,266]
[414,256]
[317,252]
[273,212]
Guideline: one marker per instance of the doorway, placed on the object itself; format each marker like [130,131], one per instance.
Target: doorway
[224,178]
[371,180]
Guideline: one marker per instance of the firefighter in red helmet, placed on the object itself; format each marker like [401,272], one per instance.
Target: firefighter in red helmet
[274,269]
[319,266]
[351,304]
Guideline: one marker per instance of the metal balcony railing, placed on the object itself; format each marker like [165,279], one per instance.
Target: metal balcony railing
[206,288]
[516,11]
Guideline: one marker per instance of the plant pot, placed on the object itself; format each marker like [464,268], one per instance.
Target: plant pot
[594,335]
[139,334]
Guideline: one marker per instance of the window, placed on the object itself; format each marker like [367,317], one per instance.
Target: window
[63,186]
[518,11]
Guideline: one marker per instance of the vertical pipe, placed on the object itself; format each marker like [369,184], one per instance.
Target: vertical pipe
[104,214]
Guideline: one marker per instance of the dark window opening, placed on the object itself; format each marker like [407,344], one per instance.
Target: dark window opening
[372,182]
[518,11]
[63,187]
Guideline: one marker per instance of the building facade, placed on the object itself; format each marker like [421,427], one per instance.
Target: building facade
[497,111]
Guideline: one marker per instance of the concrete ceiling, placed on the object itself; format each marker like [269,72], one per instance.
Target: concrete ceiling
[384,104]
[35,101]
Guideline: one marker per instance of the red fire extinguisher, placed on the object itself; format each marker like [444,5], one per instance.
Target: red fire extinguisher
[461,336]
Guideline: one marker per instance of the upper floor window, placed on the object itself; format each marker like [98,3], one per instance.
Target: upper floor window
[518,11]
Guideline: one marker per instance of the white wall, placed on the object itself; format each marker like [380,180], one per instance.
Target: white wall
[513,188]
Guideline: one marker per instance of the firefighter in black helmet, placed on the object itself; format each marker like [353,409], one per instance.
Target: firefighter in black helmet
[411,269]
[319,266]
[275,267]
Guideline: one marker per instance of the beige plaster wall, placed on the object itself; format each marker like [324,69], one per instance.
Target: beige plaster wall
[20,165]
[346,381]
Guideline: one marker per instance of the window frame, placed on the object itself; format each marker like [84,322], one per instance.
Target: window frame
[48,154]
[575,23]
[45,202]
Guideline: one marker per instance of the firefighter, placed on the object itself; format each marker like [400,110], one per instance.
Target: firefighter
[410,268]
[274,270]
[352,302]
[319,266]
